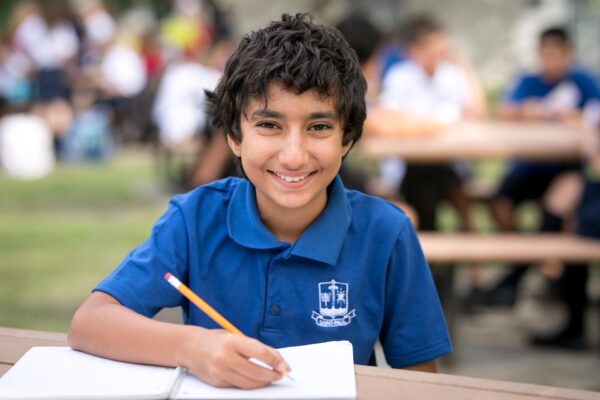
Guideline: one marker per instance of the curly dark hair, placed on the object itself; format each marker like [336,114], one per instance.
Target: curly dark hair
[300,55]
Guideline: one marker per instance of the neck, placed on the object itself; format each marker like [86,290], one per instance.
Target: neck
[288,225]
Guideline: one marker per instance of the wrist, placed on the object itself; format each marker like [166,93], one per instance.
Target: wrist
[187,344]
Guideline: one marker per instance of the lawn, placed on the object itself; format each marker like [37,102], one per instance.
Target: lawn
[61,235]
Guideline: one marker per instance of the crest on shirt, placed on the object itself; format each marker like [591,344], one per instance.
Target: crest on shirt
[333,305]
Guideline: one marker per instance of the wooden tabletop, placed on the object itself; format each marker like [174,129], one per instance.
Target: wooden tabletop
[498,247]
[482,140]
[372,383]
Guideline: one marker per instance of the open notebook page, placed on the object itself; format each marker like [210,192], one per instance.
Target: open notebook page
[320,371]
[63,373]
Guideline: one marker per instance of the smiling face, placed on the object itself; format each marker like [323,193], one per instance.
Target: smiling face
[291,150]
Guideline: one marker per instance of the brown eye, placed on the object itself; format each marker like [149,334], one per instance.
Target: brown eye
[266,125]
[320,127]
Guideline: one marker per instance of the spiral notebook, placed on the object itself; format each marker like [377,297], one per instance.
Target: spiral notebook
[320,371]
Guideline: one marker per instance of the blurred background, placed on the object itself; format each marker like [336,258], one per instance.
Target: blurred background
[102,120]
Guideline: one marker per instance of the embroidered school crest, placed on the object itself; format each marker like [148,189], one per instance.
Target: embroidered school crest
[333,305]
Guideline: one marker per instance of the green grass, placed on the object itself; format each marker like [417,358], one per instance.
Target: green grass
[59,236]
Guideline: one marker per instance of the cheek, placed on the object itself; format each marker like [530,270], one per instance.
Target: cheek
[330,155]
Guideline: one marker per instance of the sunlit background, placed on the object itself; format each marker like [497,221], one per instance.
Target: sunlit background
[90,160]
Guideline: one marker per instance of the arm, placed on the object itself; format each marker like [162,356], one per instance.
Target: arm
[102,326]
[476,106]
[428,366]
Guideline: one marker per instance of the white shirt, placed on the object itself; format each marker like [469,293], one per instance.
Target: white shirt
[124,68]
[408,88]
[179,109]
[48,47]
[442,97]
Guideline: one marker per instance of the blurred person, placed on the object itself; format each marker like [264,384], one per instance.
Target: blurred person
[120,78]
[44,47]
[556,92]
[435,88]
[122,69]
[99,29]
[47,37]
[187,28]
[571,279]
[365,39]
[88,137]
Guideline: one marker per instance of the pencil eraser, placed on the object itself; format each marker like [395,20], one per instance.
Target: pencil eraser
[167,275]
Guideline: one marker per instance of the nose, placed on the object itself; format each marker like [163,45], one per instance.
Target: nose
[293,154]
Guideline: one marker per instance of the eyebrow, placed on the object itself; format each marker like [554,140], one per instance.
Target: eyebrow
[266,113]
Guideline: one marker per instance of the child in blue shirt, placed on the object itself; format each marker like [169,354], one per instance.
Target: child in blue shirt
[287,254]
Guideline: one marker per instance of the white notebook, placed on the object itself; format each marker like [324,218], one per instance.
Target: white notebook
[320,371]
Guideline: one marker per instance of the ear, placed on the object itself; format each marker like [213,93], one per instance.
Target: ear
[346,148]
[235,146]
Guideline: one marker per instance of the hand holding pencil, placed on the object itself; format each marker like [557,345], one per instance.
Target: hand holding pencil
[229,360]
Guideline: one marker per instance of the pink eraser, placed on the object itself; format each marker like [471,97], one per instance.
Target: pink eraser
[167,275]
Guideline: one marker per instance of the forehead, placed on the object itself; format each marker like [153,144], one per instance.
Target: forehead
[287,101]
[553,45]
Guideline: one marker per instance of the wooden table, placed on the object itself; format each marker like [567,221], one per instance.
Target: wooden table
[499,247]
[372,383]
[482,140]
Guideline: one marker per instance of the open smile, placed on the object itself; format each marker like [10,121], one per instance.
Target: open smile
[287,178]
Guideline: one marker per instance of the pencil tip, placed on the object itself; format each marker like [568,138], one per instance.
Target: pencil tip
[288,375]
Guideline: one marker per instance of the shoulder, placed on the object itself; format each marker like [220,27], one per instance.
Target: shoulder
[583,76]
[209,197]
[400,72]
[375,216]
[527,78]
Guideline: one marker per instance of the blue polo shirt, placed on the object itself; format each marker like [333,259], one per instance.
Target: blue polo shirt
[531,86]
[357,273]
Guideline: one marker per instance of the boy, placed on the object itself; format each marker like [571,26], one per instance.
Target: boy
[557,92]
[434,88]
[287,255]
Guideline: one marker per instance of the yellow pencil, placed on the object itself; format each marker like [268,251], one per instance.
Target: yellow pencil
[204,306]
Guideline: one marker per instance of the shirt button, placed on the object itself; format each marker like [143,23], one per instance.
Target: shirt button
[275,309]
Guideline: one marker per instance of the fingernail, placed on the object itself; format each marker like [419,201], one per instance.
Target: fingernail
[282,368]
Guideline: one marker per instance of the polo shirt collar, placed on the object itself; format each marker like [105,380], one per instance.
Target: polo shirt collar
[321,241]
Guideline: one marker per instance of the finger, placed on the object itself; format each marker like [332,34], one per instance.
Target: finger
[234,378]
[259,373]
[252,348]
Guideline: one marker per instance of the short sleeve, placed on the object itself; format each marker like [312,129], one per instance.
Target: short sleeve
[414,330]
[518,92]
[138,282]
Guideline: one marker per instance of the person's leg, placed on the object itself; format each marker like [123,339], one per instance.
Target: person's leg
[517,187]
[422,188]
[457,197]
[573,289]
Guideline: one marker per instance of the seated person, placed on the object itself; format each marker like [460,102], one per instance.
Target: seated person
[557,92]
[286,253]
[434,88]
